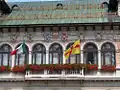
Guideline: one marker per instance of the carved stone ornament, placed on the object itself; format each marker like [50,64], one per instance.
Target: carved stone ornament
[13,37]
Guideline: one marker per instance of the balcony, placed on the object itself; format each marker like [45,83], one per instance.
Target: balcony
[55,72]
[59,72]
[71,72]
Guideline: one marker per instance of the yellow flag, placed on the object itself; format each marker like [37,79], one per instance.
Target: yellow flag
[76,47]
[67,53]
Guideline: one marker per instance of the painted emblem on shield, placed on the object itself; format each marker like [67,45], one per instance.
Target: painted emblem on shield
[47,36]
[64,36]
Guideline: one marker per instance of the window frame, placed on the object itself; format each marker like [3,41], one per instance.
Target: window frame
[2,53]
[93,50]
[52,52]
[42,52]
[112,52]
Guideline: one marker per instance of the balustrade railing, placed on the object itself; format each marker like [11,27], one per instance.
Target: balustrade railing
[55,73]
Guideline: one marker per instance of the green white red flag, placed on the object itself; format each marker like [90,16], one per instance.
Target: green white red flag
[19,50]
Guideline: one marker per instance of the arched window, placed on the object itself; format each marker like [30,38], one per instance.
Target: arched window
[108,54]
[39,54]
[104,5]
[5,57]
[90,54]
[55,54]
[59,6]
[73,59]
[23,58]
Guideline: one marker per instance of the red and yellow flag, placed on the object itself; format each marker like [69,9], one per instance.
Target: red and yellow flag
[74,49]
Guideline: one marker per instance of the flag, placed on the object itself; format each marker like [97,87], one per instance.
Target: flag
[74,49]
[67,53]
[19,50]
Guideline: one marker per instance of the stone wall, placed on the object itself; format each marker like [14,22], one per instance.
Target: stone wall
[56,85]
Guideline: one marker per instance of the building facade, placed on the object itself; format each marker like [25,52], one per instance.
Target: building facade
[50,28]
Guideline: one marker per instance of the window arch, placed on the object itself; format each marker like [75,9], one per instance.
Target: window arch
[73,59]
[5,57]
[108,54]
[39,54]
[104,5]
[55,54]
[23,58]
[90,54]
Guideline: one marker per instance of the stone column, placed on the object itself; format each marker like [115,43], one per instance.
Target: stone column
[13,60]
[82,57]
[64,61]
[99,59]
[47,57]
[99,62]
[82,61]
[30,57]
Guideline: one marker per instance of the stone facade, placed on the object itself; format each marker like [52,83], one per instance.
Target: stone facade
[62,35]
